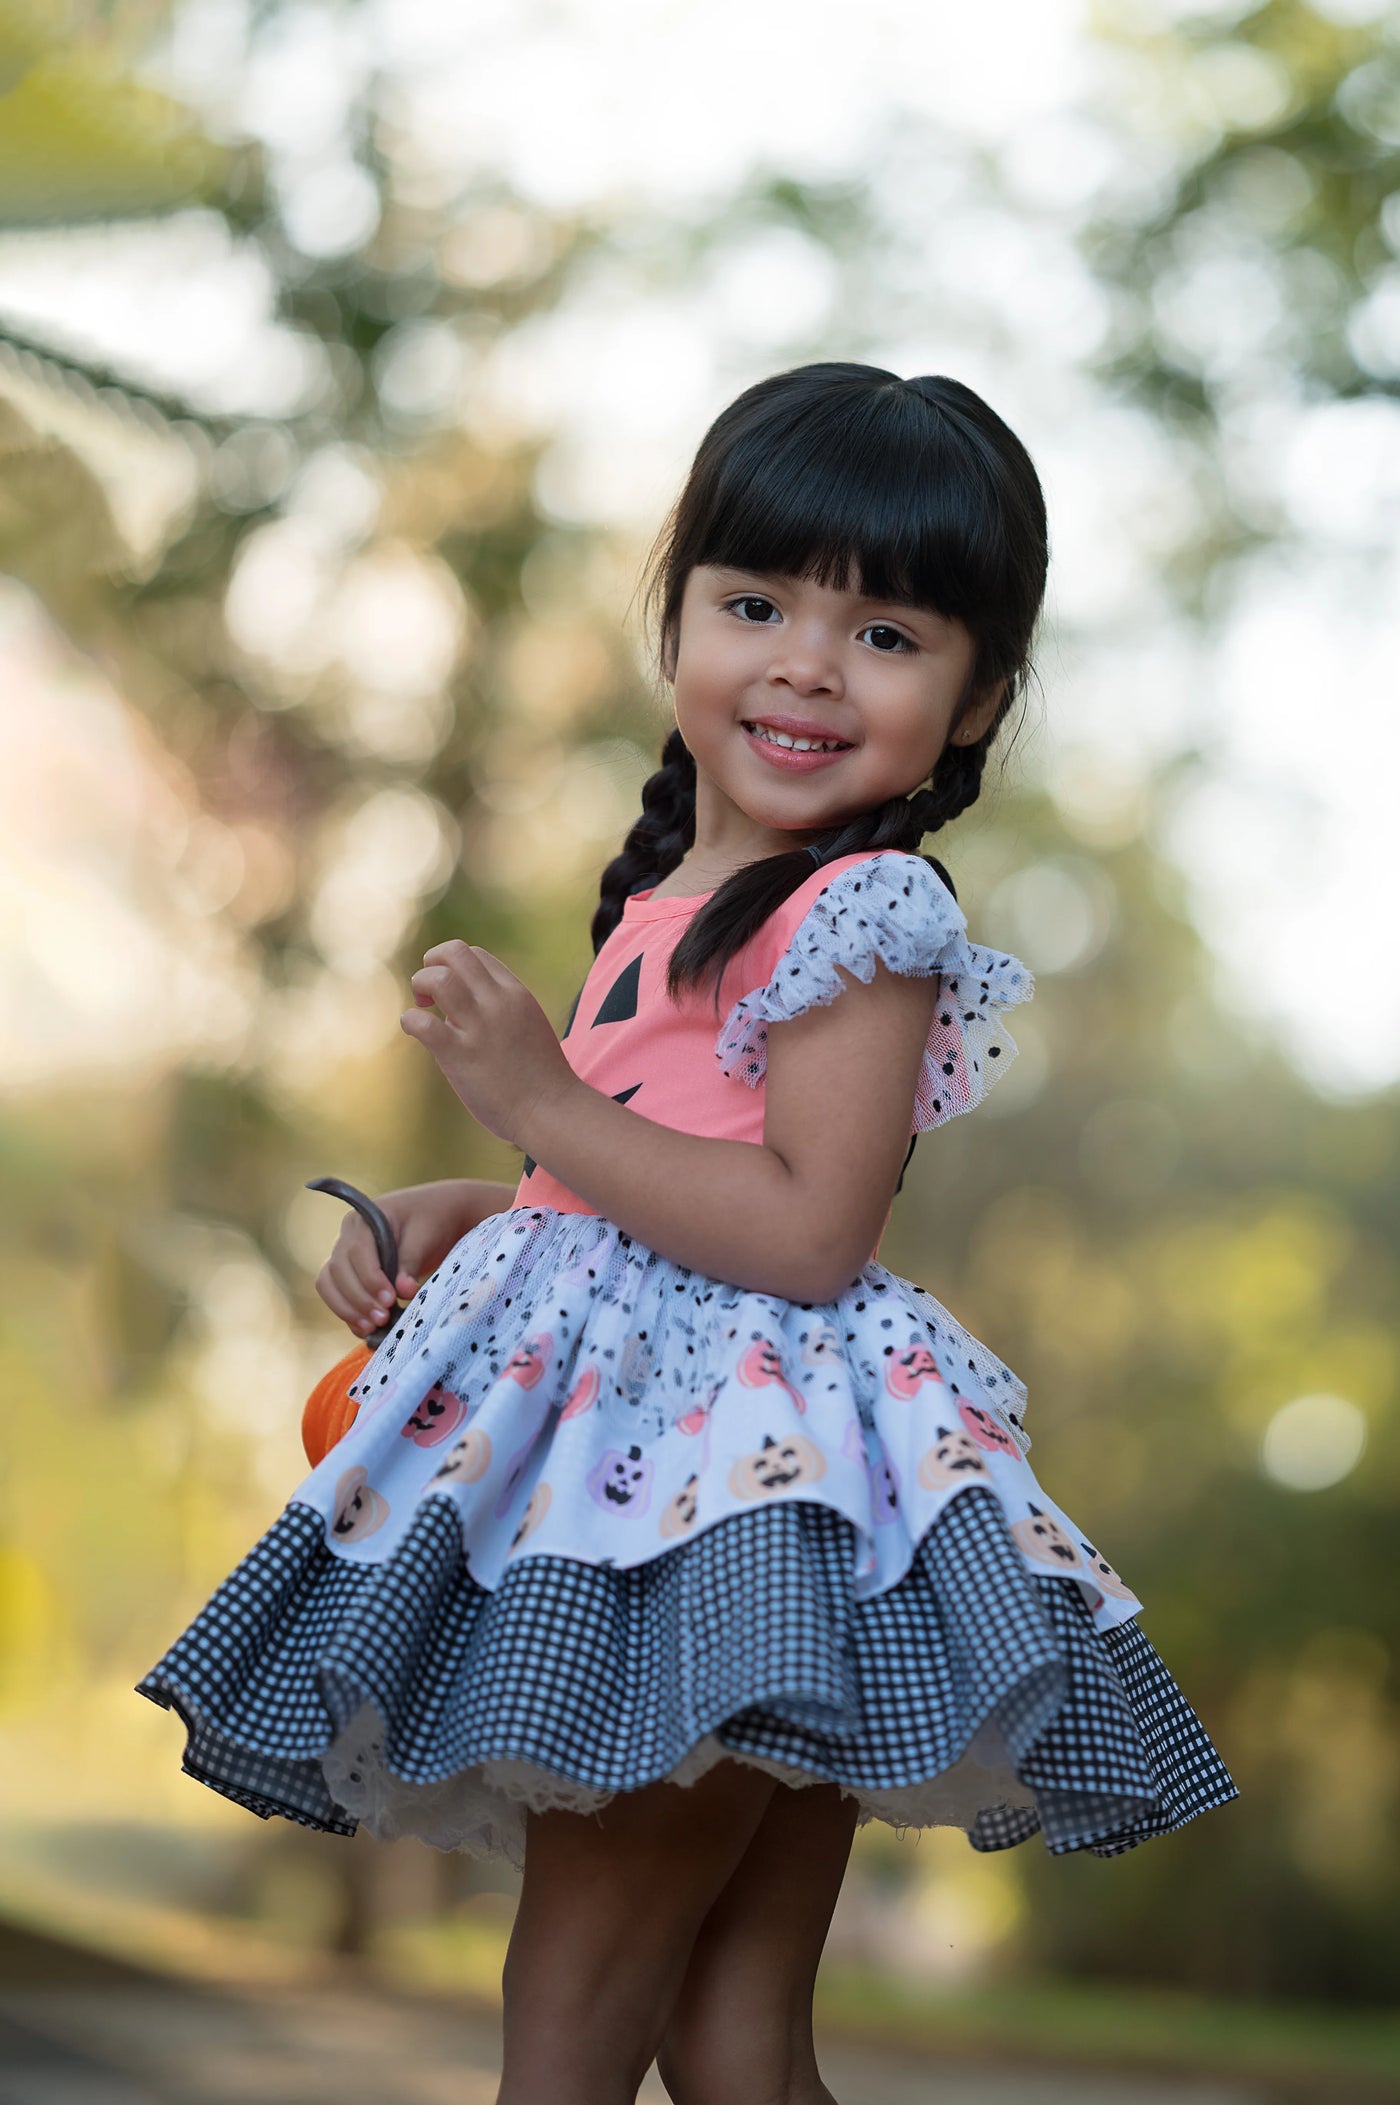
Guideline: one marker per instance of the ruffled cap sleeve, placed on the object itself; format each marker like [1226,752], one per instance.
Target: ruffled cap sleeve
[893,907]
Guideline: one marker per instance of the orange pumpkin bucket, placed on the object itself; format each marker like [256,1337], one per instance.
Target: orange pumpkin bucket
[330,1410]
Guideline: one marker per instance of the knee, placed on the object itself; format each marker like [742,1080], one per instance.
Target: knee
[733,2060]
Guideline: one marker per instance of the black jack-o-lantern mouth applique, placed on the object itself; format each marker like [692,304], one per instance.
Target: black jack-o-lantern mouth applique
[619,1096]
[619,1005]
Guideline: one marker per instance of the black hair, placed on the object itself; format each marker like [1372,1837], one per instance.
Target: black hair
[908,490]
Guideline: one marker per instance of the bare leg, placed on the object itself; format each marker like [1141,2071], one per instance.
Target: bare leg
[609,1910]
[740,2031]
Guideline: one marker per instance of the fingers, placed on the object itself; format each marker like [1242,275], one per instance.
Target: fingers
[352,1283]
[438,998]
[455,968]
[458,956]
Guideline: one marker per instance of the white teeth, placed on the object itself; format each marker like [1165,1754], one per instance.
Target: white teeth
[798,745]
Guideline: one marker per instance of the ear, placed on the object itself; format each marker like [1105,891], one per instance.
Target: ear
[668,656]
[978,717]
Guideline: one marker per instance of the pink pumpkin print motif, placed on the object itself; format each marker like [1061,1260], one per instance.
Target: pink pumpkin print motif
[468,1462]
[761,1364]
[528,1361]
[985,1430]
[536,1506]
[884,1490]
[906,1371]
[621,1483]
[1105,1574]
[954,1458]
[583,1395]
[678,1513]
[1045,1540]
[436,1419]
[359,1508]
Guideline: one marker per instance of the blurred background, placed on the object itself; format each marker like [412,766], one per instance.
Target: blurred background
[350,356]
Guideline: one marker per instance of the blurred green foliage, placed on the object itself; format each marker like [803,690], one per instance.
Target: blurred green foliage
[1168,1238]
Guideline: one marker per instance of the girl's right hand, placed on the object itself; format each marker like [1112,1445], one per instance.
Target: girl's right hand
[427,1220]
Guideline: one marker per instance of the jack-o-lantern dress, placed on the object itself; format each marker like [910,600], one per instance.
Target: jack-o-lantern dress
[604,1520]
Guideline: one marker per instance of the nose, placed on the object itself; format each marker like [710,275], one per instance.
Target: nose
[805,658]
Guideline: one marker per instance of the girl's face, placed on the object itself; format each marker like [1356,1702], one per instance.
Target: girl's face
[884,679]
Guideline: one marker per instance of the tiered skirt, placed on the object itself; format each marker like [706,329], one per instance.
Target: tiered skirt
[603,1521]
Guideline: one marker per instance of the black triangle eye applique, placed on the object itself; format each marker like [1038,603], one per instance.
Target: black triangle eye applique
[620,1001]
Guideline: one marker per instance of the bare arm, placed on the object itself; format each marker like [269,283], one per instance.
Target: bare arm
[795,1216]
[480,1198]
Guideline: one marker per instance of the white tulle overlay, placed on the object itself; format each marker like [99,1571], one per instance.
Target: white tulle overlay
[575,1393]
[897,909]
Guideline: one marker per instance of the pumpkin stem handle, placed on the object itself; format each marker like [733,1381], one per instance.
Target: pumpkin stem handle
[385,1241]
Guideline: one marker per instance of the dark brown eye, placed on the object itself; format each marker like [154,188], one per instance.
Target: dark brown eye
[885,638]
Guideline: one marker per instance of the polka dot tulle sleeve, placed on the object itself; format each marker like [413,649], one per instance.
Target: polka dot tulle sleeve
[895,908]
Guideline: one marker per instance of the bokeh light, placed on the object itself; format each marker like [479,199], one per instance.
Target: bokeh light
[1313,1442]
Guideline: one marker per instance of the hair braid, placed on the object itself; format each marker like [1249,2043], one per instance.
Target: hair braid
[657,841]
[902,822]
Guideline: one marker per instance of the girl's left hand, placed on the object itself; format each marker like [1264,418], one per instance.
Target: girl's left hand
[490,1036]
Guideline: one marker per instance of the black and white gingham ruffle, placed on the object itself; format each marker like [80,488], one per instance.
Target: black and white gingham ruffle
[970,1693]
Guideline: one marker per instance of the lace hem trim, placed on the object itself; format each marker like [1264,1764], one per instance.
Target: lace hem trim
[483,1810]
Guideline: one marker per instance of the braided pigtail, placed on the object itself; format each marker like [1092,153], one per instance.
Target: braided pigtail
[657,841]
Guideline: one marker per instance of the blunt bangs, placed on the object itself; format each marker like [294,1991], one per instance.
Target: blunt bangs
[875,492]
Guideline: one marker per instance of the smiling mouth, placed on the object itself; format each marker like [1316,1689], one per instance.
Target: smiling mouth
[788,744]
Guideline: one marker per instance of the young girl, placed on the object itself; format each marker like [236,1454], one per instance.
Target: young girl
[676,1537]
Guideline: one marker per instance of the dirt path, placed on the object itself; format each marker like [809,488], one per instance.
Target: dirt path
[78,2029]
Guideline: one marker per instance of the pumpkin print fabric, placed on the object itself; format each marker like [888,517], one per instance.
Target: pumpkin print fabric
[603,1519]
